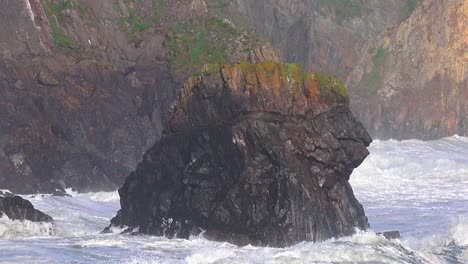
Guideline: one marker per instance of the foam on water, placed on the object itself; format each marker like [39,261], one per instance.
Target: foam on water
[14,229]
[419,188]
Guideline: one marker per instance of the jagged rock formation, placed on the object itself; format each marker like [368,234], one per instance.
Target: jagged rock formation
[17,208]
[252,153]
[415,83]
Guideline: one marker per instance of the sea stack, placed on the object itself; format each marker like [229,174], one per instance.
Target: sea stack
[255,154]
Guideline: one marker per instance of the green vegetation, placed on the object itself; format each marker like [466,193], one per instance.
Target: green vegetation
[55,13]
[344,8]
[329,83]
[408,9]
[221,8]
[137,21]
[212,68]
[218,3]
[380,57]
[292,73]
[133,24]
[371,82]
[199,42]
[160,10]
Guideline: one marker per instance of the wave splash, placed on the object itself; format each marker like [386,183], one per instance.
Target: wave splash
[416,187]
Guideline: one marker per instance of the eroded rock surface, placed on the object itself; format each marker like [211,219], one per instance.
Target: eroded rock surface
[252,153]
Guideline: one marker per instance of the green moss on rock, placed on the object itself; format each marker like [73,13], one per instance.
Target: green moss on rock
[57,19]
[212,68]
[199,42]
[329,83]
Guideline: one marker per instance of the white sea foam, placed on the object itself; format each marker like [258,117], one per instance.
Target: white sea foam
[10,229]
[419,188]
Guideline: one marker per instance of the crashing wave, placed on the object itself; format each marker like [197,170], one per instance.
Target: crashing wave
[13,229]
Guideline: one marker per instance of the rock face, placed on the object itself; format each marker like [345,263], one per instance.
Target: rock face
[85,85]
[323,35]
[415,83]
[17,208]
[78,106]
[252,153]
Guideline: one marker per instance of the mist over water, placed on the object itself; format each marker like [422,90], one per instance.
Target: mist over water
[419,188]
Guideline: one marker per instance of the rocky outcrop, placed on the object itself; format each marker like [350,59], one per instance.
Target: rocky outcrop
[252,153]
[17,208]
[415,84]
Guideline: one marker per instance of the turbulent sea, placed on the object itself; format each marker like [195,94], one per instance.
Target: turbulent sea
[419,188]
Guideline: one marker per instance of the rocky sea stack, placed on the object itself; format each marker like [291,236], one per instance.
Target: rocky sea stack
[252,154]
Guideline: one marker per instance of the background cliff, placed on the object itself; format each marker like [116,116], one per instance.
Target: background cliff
[323,35]
[404,61]
[414,83]
[85,85]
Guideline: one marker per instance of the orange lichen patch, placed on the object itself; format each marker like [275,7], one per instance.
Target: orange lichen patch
[273,76]
[231,75]
[273,85]
[250,76]
[311,86]
[262,76]
[70,102]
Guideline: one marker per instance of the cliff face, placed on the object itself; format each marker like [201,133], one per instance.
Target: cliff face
[252,154]
[323,35]
[414,84]
[85,85]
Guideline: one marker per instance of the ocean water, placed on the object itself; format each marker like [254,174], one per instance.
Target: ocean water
[419,188]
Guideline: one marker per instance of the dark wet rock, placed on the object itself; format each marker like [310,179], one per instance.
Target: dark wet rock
[60,193]
[252,154]
[17,208]
[390,234]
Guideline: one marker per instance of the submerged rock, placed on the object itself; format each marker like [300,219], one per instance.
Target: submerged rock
[17,208]
[252,154]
